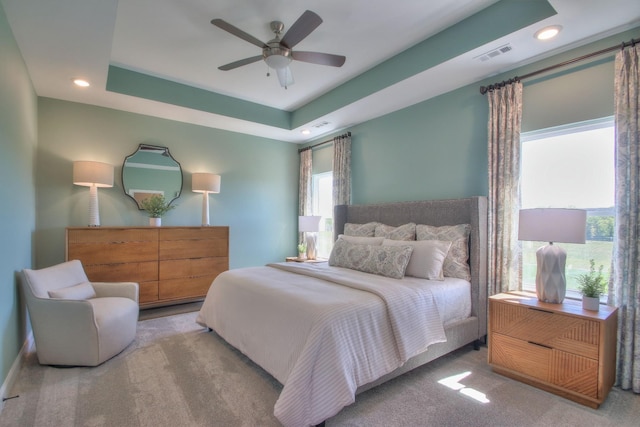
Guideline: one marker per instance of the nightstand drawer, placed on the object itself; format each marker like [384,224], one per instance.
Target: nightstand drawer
[520,356]
[567,333]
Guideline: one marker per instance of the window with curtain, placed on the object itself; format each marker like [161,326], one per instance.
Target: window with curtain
[322,204]
[571,166]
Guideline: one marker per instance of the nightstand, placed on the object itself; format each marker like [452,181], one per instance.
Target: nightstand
[560,348]
[296,259]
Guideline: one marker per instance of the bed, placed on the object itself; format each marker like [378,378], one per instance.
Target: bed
[328,332]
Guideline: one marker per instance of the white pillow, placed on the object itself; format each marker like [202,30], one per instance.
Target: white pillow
[80,291]
[426,259]
[361,240]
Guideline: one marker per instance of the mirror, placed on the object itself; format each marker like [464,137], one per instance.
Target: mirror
[151,170]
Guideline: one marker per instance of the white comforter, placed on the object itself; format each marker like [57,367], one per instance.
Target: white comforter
[322,331]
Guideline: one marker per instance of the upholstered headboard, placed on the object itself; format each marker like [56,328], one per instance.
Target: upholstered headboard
[471,211]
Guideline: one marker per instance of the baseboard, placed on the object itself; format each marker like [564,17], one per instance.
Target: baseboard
[12,376]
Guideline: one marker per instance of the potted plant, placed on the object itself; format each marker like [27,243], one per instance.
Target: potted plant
[592,285]
[156,206]
[302,250]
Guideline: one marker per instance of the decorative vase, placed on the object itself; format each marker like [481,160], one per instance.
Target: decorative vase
[155,222]
[302,255]
[591,303]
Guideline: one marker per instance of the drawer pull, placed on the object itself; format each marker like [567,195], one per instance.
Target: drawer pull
[541,310]
[540,345]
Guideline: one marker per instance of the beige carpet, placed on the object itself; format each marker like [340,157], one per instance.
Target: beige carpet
[178,374]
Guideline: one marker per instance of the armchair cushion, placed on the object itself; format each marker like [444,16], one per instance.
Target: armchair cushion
[81,291]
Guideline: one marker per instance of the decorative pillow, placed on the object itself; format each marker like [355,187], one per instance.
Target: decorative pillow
[80,291]
[456,264]
[389,261]
[403,232]
[359,240]
[426,259]
[364,230]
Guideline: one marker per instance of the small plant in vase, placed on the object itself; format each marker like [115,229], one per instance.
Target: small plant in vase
[302,250]
[156,206]
[592,285]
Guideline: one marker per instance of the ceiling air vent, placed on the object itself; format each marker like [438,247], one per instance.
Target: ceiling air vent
[321,124]
[494,52]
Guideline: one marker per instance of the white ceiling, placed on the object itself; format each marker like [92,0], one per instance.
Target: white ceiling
[174,40]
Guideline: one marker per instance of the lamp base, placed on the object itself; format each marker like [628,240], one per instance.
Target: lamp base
[551,284]
[311,245]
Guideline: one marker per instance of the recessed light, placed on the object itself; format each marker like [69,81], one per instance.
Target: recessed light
[548,32]
[81,82]
[305,132]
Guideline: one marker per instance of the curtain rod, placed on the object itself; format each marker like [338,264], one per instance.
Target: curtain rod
[323,142]
[485,89]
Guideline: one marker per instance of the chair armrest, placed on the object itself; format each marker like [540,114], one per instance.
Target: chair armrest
[116,289]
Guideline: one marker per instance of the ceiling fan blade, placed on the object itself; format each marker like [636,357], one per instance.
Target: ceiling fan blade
[238,32]
[319,58]
[285,76]
[240,63]
[300,29]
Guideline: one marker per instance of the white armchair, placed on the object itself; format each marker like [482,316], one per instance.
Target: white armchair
[76,322]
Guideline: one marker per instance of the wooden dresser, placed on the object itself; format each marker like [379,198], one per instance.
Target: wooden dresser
[560,348]
[171,264]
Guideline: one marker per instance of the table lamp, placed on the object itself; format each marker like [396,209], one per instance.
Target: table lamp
[93,175]
[309,225]
[552,225]
[205,183]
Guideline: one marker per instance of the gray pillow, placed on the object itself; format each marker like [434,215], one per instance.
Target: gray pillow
[389,261]
[364,230]
[360,240]
[402,232]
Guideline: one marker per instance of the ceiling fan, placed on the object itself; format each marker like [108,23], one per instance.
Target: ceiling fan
[278,52]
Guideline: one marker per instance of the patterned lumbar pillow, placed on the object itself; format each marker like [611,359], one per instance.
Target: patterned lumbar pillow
[403,232]
[364,230]
[389,261]
[456,264]
[360,240]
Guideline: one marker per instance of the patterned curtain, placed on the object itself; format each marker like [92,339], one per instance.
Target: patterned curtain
[342,170]
[505,116]
[626,260]
[304,186]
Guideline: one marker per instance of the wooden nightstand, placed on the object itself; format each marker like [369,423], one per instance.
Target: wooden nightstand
[296,259]
[560,348]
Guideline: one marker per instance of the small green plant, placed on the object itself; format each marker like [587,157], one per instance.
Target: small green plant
[156,206]
[302,248]
[592,284]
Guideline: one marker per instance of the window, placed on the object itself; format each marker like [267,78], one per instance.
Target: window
[322,204]
[571,166]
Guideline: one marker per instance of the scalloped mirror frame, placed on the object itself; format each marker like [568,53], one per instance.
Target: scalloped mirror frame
[144,174]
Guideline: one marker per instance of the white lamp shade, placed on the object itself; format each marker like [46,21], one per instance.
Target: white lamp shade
[88,173]
[205,183]
[553,225]
[309,223]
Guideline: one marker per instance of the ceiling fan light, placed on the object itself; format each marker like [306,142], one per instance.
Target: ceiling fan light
[277,62]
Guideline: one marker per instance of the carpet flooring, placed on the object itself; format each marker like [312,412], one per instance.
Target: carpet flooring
[177,374]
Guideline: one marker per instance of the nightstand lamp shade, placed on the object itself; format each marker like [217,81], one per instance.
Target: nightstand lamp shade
[552,225]
[205,183]
[93,175]
[309,225]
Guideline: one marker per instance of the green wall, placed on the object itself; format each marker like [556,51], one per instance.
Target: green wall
[258,197]
[438,148]
[18,138]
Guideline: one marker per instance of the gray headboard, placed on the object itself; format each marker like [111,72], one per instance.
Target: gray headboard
[471,211]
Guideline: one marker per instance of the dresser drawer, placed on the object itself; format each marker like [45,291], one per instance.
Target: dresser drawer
[520,356]
[556,330]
